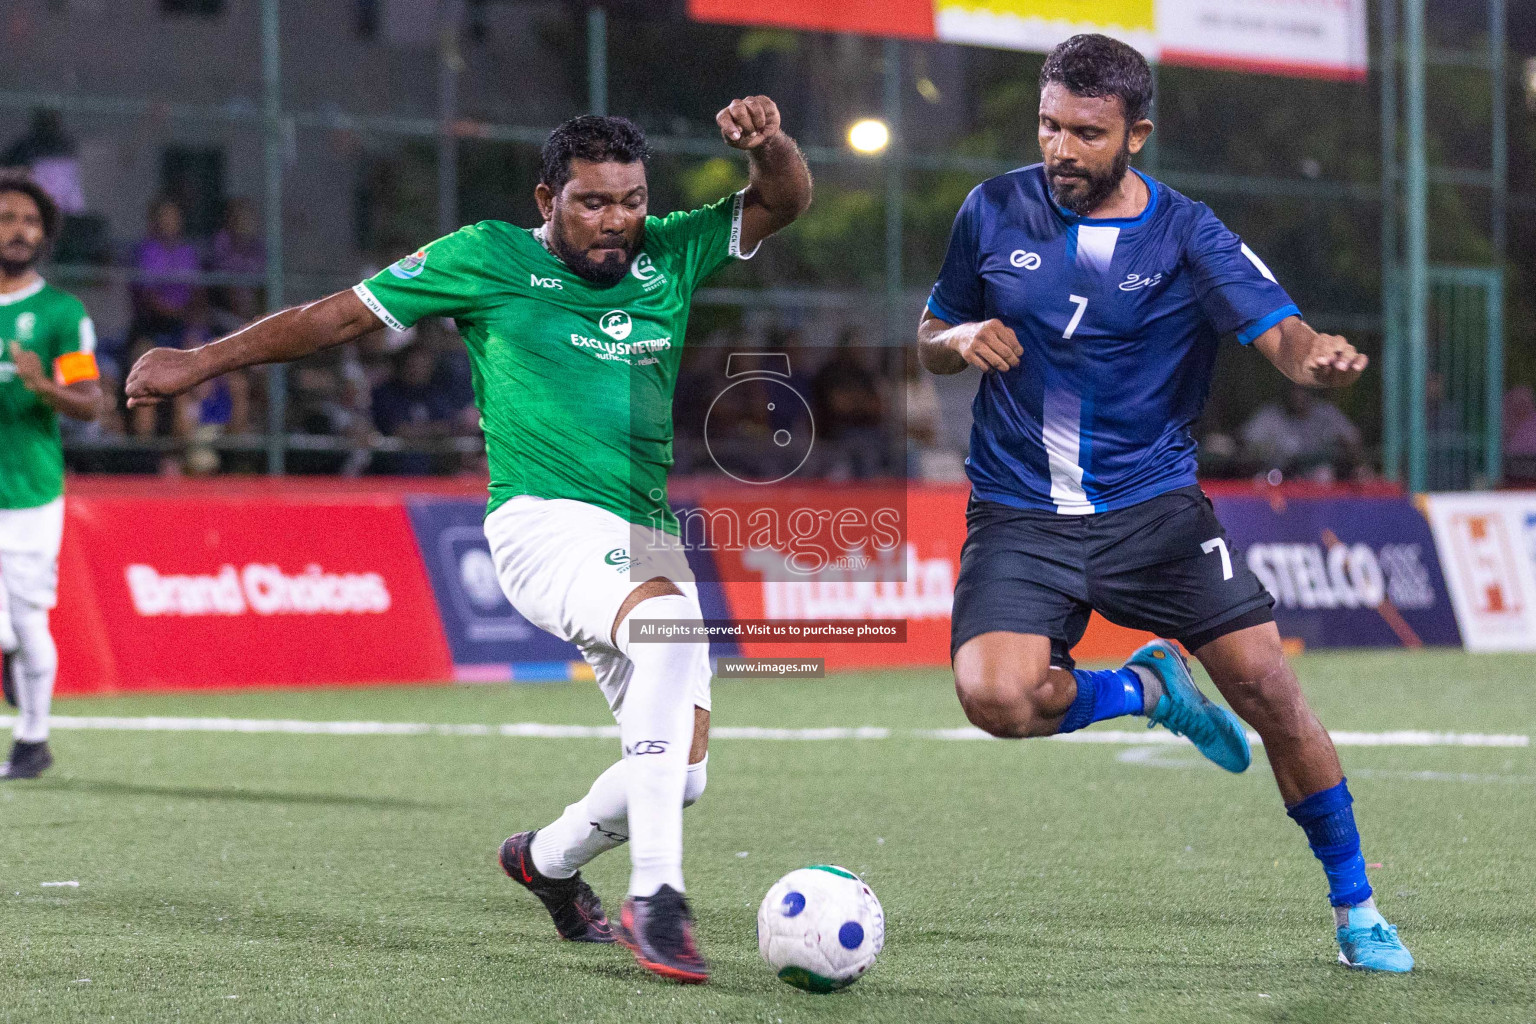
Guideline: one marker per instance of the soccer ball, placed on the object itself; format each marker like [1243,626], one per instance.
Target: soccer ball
[820,928]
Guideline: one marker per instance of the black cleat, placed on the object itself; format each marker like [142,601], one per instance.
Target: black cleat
[27,760]
[7,665]
[577,911]
[659,931]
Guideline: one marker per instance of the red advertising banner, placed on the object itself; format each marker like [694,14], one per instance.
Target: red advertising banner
[263,587]
[933,531]
[910,18]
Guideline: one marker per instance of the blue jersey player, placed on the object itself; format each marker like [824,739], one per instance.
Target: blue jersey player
[1092,298]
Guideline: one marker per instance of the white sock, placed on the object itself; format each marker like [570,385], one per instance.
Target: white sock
[1341,914]
[599,821]
[35,670]
[1151,688]
[656,728]
[592,825]
[698,778]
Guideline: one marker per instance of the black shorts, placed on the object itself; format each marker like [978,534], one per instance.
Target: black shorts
[1162,566]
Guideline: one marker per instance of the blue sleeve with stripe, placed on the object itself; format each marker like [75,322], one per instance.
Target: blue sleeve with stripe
[957,295]
[1236,290]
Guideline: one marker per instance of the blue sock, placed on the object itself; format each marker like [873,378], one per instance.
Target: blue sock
[1329,822]
[1102,695]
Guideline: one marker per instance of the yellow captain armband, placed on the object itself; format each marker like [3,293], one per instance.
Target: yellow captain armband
[74,367]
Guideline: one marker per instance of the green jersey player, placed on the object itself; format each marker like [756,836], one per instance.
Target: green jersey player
[575,331]
[47,367]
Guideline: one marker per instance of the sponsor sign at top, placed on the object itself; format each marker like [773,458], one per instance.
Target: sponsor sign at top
[1308,38]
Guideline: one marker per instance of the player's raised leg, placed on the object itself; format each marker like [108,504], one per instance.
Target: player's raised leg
[1250,669]
[1009,687]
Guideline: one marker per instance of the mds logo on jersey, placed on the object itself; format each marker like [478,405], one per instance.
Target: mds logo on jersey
[535,281]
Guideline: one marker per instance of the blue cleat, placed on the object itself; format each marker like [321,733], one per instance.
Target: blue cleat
[1368,943]
[1184,711]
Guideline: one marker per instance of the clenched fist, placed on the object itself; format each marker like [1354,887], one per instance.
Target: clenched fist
[1333,362]
[748,123]
[989,345]
[163,373]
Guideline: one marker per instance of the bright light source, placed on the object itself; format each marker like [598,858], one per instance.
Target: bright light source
[869,135]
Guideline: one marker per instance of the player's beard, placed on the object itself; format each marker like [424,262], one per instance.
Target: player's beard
[1083,201]
[604,273]
[12,265]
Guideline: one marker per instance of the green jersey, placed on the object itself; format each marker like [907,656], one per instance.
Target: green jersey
[573,381]
[53,324]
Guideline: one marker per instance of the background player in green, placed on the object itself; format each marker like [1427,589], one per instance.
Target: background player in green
[47,367]
[575,332]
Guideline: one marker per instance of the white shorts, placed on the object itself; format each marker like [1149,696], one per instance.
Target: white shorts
[567,567]
[29,553]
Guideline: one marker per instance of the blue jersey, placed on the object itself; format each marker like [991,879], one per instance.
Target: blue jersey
[1119,319]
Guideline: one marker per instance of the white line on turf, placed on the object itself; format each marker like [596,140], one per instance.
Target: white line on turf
[541,730]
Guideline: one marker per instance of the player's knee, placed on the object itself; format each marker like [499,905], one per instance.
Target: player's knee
[698,778]
[1268,696]
[37,649]
[661,619]
[997,700]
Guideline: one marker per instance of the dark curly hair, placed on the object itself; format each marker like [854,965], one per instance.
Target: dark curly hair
[20,181]
[591,137]
[1095,65]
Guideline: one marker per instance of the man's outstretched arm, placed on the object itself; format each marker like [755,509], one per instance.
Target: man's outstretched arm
[779,183]
[1309,358]
[164,373]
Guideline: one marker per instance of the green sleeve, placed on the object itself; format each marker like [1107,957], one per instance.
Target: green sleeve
[441,279]
[705,239]
[74,330]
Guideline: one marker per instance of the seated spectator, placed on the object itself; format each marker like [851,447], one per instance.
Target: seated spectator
[52,157]
[1303,436]
[411,407]
[849,412]
[1520,434]
[928,458]
[160,308]
[238,248]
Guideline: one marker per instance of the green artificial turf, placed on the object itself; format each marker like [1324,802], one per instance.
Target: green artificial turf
[308,878]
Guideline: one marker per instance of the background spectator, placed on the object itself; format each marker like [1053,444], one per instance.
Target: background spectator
[52,157]
[411,406]
[160,308]
[1303,436]
[848,412]
[238,248]
[1520,433]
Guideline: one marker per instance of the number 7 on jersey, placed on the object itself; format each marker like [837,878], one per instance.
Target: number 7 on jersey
[1077,315]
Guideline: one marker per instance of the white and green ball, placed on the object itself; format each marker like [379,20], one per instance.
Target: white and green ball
[820,928]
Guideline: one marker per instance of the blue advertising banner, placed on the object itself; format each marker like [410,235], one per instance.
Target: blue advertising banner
[482,626]
[487,637]
[1345,572]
